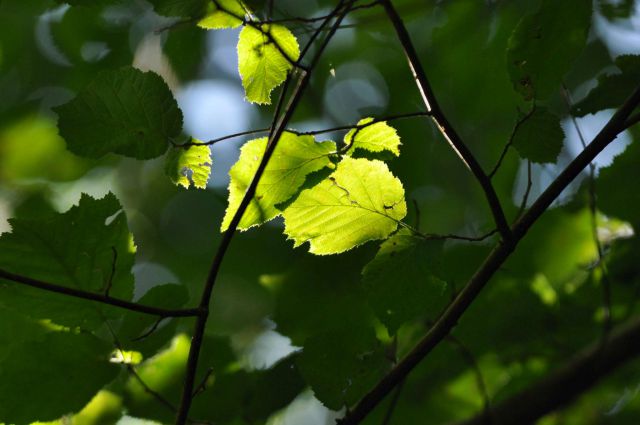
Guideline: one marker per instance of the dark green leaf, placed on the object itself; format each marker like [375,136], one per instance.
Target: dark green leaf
[539,138]
[124,111]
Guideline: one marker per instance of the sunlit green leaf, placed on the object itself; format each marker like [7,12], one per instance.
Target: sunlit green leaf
[539,138]
[223,14]
[187,166]
[359,202]
[401,282]
[544,45]
[294,158]
[124,111]
[262,65]
[376,137]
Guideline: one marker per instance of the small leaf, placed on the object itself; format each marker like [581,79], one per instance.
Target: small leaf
[124,111]
[341,365]
[262,65]
[545,44]
[293,159]
[223,14]
[612,89]
[401,282]
[189,166]
[539,138]
[359,202]
[375,137]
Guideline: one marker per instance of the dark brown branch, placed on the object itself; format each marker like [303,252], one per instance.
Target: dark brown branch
[562,386]
[442,123]
[361,126]
[101,298]
[274,136]
[449,318]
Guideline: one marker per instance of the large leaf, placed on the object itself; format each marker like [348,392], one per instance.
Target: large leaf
[89,248]
[124,111]
[187,166]
[539,138]
[59,371]
[262,65]
[401,282]
[293,159]
[544,45]
[612,89]
[359,202]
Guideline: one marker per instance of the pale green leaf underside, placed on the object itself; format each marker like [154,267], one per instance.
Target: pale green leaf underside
[262,65]
[360,201]
[294,158]
[189,166]
[376,137]
[223,14]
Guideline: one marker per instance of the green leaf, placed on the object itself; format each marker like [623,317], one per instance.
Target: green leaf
[58,370]
[262,65]
[545,44]
[341,365]
[89,248]
[612,89]
[124,111]
[294,158]
[154,334]
[375,137]
[401,282]
[539,138]
[187,166]
[223,14]
[617,189]
[359,202]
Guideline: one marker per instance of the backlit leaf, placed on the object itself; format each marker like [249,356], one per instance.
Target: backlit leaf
[187,166]
[359,202]
[293,159]
[376,137]
[262,65]
[223,14]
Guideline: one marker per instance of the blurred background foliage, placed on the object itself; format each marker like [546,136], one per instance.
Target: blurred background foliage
[540,308]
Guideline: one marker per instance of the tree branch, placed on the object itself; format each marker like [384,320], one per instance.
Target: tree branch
[449,318]
[562,386]
[443,125]
[274,136]
[100,298]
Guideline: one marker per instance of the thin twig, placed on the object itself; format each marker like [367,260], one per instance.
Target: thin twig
[109,282]
[100,298]
[274,136]
[632,120]
[443,125]
[468,356]
[392,404]
[510,141]
[151,330]
[496,258]
[527,192]
[220,139]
